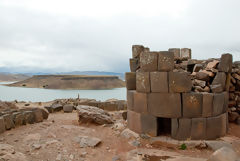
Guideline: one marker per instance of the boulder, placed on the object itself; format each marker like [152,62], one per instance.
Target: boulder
[90,114]
[28,117]
[8,119]
[68,108]
[18,118]
[44,113]
[38,115]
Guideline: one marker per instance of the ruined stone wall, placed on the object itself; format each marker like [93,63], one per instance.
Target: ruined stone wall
[169,84]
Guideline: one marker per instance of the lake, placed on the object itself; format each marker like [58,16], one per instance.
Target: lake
[44,95]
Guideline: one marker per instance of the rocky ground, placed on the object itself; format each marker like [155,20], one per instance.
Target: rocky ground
[59,138]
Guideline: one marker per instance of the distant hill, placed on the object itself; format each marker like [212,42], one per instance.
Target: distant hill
[71,82]
[7,77]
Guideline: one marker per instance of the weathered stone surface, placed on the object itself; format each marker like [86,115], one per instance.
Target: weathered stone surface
[181,128]
[199,83]
[197,67]
[186,53]
[2,125]
[198,129]
[159,82]
[130,99]
[176,52]
[166,105]
[134,64]
[129,134]
[220,78]
[149,61]
[216,127]
[226,101]
[8,120]
[18,118]
[209,73]
[68,108]
[134,121]
[207,106]
[179,82]
[192,104]
[165,61]
[56,107]
[143,82]
[130,78]
[28,117]
[202,76]
[212,64]
[216,88]
[224,154]
[38,116]
[9,153]
[136,50]
[90,114]
[140,102]
[44,113]
[49,108]
[225,64]
[218,103]
[149,124]
[87,141]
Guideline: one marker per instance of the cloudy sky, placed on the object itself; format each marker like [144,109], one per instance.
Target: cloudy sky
[80,35]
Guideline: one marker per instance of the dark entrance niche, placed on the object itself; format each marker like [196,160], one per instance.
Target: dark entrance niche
[164,126]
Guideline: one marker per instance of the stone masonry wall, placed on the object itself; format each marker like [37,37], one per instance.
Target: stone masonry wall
[169,84]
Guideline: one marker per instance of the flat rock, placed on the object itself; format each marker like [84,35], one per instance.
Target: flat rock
[129,134]
[90,114]
[86,141]
[215,145]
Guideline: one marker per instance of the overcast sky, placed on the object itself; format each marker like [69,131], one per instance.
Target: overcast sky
[80,35]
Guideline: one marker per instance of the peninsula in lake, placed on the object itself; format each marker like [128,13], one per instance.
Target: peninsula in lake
[71,82]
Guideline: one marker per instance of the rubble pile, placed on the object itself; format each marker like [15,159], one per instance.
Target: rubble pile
[12,118]
[168,92]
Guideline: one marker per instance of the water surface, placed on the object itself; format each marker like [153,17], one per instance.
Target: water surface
[44,95]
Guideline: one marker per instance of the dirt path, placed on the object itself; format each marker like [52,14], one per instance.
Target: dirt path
[53,139]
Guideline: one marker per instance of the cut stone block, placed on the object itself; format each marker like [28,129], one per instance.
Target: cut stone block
[44,113]
[181,128]
[130,78]
[207,106]
[130,99]
[186,53]
[134,121]
[159,82]
[18,118]
[192,104]
[197,67]
[226,101]
[8,120]
[218,103]
[68,108]
[167,105]
[216,88]
[216,127]
[149,61]
[2,125]
[28,117]
[198,130]
[56,107]
[176,52]
[179,82]
[136,50]
[220,78]
[149,124]
[225,64]
[143,82]
[140,102]
[38,116]
[134,64]
[165,61]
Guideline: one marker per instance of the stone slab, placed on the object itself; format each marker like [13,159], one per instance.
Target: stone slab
[181,129]
[143,82]
[130,99]
[134,121]
[218,103]
[207,106]
[179,82]
[198,129]
[159,82]
[149,61]
[225,64]
[192,104]
[140,102]
[130,78]
[165,61]
[68,108]
[220,78]
[167,105]
[149,124]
